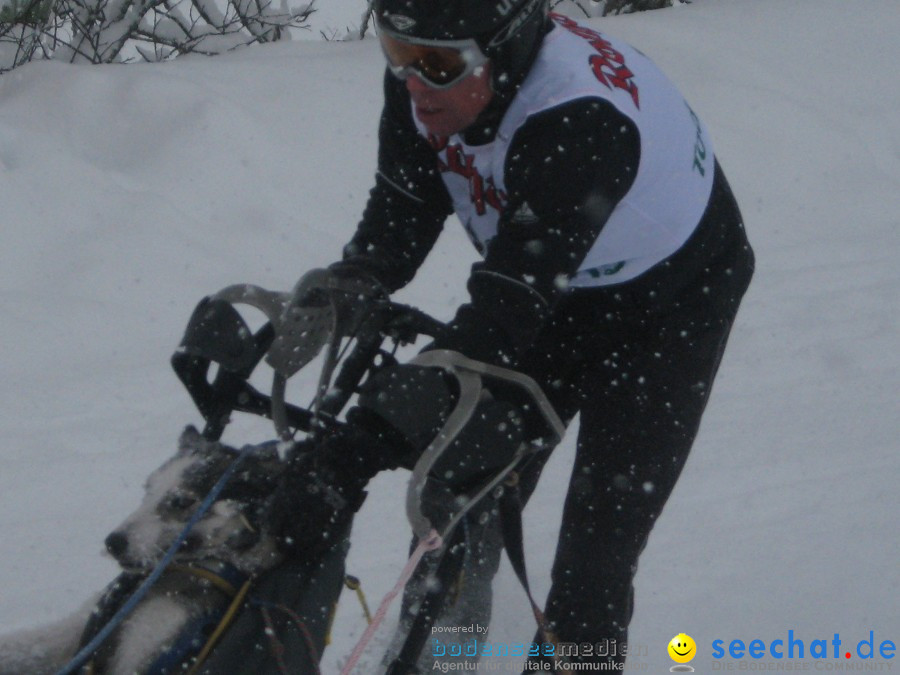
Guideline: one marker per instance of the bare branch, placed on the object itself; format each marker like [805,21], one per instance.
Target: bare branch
[106,31]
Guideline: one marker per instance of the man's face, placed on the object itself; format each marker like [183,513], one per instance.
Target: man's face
[448,111]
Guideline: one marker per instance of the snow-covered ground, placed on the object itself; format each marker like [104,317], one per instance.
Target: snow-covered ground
[128,193]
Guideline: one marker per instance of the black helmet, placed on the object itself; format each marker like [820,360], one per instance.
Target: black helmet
[509,32]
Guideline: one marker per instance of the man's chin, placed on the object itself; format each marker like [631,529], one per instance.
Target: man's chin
[436,122]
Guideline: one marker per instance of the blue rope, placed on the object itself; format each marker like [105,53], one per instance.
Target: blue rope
[85,652]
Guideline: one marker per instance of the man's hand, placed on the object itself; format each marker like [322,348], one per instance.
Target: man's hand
[323,302]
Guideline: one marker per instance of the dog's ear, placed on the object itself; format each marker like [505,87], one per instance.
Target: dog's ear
[189,440]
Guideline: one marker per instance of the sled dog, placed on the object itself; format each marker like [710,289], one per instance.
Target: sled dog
[224,549]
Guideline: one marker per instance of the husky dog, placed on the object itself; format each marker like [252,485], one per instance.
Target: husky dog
[228,544]
[230,531]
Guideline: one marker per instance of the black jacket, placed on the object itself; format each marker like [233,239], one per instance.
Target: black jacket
[579,152]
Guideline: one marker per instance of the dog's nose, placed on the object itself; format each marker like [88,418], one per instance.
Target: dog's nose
[116,544]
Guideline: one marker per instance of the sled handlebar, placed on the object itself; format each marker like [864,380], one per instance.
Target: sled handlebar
[217,335]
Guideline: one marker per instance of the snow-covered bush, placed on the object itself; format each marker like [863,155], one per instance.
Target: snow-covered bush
[608,7]
[110,31]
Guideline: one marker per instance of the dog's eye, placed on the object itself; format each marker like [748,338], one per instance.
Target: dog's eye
[179,501]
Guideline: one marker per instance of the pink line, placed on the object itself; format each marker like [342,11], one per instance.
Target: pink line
[430,543]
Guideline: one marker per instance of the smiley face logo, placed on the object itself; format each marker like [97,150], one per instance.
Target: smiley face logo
[682,648]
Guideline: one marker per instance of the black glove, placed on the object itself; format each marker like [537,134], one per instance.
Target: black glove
[324,301]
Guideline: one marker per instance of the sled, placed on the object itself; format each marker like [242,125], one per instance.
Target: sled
[278,621]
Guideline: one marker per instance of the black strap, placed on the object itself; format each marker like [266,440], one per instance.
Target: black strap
[510,507]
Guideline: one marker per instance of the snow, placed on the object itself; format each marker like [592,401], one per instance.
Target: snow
[130,192]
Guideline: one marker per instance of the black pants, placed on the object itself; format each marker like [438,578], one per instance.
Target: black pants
[640,398]
[639,374]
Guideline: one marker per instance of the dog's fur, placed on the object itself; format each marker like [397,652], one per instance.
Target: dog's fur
[231,532]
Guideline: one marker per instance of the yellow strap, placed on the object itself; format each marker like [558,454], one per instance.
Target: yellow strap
[210,576]
[237,598]
[350,581]
[331,616]
[228,617]
[354,584]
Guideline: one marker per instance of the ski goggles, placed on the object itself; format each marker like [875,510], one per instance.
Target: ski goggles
[441,64]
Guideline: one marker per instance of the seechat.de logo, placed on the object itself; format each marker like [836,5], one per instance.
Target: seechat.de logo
[834,653]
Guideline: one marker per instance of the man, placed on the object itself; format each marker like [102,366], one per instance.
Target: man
[614,256]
